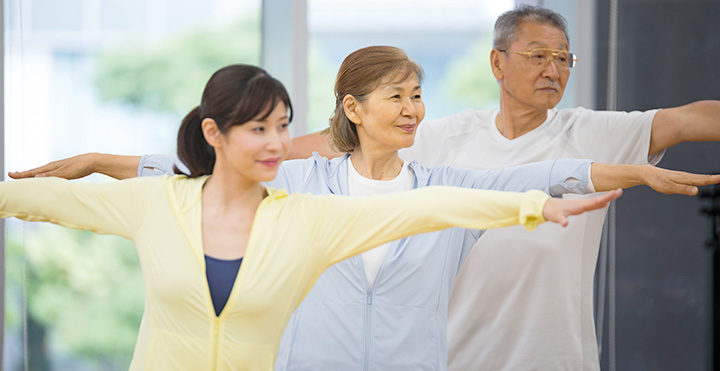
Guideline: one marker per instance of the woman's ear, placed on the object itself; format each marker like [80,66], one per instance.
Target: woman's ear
[211,132]
[351,106]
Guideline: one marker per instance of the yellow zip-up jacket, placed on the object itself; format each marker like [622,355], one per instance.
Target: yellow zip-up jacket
[294,238]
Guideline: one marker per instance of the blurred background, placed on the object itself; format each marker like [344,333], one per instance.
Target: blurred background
[118,76]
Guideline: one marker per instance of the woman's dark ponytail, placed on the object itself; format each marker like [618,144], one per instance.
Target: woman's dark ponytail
[233,96]
[192,149]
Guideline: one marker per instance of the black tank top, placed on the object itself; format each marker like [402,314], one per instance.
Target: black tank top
[221,277]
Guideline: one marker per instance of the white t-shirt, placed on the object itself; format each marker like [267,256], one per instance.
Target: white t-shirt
[523,300]
[361,186]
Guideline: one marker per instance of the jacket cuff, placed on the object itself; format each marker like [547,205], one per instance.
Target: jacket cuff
[531,209]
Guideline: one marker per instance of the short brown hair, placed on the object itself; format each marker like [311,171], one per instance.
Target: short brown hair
[360,73]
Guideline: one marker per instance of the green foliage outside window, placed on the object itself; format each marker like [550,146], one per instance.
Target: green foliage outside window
[170,74]
[470,81]
[82,289]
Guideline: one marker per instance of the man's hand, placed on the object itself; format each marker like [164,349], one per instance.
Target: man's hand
[671,182]
[608,177]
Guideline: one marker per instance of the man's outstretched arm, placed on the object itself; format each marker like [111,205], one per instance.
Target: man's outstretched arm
[694,122]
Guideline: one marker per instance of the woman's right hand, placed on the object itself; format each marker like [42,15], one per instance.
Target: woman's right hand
[557,210]
[69,168]
[116,166]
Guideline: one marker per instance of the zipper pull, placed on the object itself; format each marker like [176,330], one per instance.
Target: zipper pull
[369,298]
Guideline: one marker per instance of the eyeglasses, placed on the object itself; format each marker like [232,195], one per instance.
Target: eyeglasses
[543,56]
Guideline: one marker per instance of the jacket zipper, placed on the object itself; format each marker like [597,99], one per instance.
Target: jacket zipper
[369,304]
[216,332]
[368,328]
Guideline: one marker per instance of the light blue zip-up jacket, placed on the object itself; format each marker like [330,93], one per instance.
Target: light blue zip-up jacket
[400,322]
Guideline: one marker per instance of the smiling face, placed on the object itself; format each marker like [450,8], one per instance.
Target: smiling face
[388,117]
[524,85]
[255,149]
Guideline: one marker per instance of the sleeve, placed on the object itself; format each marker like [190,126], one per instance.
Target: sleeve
[282,179]
[555,177]
[159,164]
[348,226]
[117,207]
[308,175]
[617,137]
[293,174]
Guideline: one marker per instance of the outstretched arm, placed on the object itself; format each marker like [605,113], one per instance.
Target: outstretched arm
[358,224]
[694,122]
[112,207]
[555,177]
[562,176]
[116,166]
[123,167]
[607,177]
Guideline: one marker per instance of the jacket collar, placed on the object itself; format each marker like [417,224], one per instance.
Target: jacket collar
[337,169]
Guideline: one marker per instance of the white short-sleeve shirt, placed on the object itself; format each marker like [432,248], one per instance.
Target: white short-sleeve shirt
[523,300]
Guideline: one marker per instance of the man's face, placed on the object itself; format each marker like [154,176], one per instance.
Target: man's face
[524,84]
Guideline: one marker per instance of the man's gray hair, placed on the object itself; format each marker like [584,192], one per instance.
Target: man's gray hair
[506,26]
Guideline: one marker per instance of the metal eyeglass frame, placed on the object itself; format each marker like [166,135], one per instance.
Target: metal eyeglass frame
[554,55]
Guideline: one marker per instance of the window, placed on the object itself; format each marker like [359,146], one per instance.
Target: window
[106,76]
[451,40]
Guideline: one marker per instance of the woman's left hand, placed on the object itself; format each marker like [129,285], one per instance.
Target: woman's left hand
[557,210]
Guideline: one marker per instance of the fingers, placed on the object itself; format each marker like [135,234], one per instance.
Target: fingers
[687,183]
[602,201]
[694,179]
[700,179]
[703,180]
[558,210]
[613,195]
[553,211]
[16,175]
[36,172]
[687,187]
[69,168]
[582,206]
[680,182]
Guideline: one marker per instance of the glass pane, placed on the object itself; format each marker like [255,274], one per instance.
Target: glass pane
[450,39]
[107,76]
